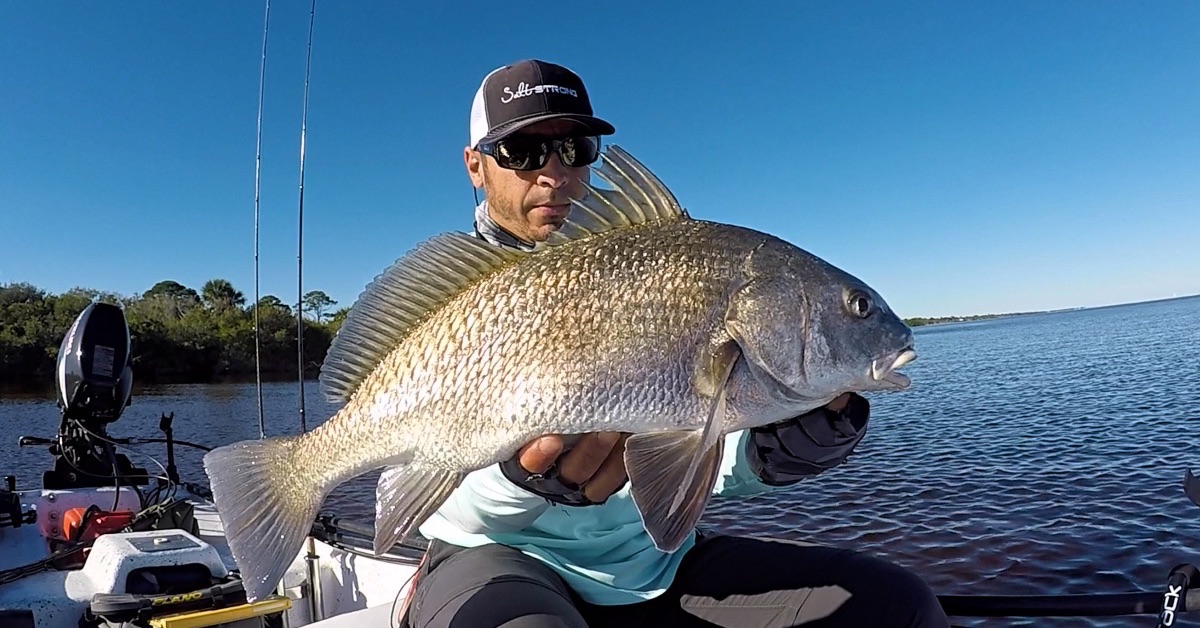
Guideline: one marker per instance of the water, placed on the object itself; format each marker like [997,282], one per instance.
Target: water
[1033,455]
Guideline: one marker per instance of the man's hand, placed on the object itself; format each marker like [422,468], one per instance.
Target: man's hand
[839,403]
[786,452]
[596,462]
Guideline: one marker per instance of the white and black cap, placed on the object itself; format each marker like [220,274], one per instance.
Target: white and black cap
[526,92]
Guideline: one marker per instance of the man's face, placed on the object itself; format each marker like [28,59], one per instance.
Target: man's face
[530,204]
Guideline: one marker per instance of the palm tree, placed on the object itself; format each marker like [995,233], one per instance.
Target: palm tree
[219,293]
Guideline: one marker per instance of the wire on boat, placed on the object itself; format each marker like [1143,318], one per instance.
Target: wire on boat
[366,552]
[161,492]
[262,78]
[46,564]
[141,441]
[116,479]
[112,459]
[333,527]
[147,441]
[393,616]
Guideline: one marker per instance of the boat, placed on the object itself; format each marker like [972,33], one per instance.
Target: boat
[104,544]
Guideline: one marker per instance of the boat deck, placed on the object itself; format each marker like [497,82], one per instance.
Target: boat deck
[355,588]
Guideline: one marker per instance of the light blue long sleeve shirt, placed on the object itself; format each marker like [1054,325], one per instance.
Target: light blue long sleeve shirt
[602,552]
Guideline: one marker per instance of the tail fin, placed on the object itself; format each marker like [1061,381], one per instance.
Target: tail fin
[267,506]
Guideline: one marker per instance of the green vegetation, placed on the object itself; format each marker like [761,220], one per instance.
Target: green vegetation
[939,320]
[927,320]
[178,335]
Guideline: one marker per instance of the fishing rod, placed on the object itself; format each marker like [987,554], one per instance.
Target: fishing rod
[262,80]
[300,221]
[315,604]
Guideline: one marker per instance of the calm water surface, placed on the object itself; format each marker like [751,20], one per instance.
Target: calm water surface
[1033,455]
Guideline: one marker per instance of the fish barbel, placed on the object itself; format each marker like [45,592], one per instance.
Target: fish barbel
[633,317]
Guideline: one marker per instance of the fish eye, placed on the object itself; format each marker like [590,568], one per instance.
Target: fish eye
[859,303]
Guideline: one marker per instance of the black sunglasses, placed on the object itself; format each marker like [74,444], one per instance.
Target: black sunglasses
[526,152]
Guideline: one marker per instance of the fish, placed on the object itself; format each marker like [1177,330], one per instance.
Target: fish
[632,317]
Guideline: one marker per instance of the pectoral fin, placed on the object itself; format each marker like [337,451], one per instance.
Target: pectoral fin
[672,474]
[671,480]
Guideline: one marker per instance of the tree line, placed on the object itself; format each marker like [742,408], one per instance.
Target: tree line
[181,335]
[919,321]
[177,334]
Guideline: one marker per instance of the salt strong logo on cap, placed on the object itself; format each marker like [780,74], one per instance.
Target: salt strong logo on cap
[526,92]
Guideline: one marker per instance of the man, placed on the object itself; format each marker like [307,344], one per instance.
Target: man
[552,537]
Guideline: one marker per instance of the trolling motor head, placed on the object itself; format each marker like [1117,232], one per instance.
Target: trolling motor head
[93,375]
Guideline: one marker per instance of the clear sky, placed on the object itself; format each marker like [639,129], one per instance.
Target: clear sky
[960,157]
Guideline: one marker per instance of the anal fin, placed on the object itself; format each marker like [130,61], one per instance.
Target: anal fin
[405,497]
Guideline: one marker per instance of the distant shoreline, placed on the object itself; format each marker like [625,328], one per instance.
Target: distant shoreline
[922,321]
[925,321]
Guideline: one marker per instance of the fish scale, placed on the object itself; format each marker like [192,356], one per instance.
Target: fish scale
[633,318]
[474,367]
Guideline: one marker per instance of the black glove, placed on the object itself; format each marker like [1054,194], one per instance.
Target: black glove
[547,485]
[786,452]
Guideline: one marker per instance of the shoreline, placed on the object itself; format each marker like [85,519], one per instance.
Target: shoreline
[927,321]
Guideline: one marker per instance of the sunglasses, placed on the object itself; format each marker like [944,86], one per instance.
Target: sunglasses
[531,152]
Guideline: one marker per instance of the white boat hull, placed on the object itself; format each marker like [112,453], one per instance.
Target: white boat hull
[352,585]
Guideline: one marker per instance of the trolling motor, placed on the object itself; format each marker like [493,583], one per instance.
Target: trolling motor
[94,382]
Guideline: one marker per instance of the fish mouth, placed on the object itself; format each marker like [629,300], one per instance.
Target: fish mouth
[884,369]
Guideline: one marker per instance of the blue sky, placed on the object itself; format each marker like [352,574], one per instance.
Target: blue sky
[961,157]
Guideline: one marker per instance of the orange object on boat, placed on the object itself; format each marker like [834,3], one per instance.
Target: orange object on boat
[81,527]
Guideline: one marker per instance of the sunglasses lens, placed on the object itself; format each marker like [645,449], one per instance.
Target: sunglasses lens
[520,153]
[531,153]
[579,151]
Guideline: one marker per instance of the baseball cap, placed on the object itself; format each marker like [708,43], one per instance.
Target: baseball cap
[526,92]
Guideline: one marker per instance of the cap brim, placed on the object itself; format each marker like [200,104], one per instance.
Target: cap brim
[591,124]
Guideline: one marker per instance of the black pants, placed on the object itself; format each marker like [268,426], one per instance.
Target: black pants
[722,581]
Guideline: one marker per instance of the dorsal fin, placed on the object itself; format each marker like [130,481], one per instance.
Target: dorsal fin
[399,298]
[636,197]
[441,267]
